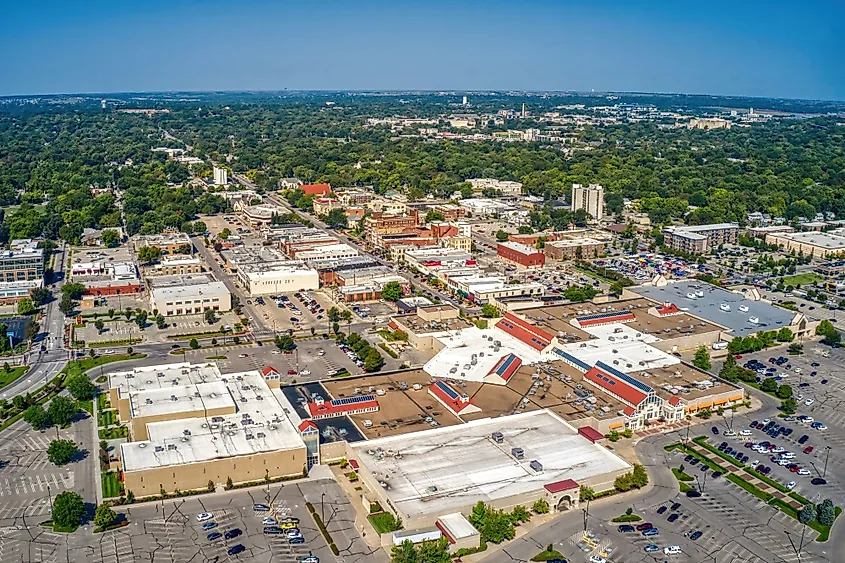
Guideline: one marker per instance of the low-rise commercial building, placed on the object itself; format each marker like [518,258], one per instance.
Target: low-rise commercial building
[324,205]
[260,215]
[568,249]
[698,239]
[105,272]
[23,262]
[277,277]
[505,187]
[188,294]
[521,254]
[825,245]
[337,251]
[168,243]
[175,265]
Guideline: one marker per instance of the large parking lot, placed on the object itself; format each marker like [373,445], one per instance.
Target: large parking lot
[301,312]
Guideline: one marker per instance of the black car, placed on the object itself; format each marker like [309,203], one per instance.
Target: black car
[260,508]
[625,528]
[235,549]
[661,510]
[693,494]
[815,364]
[695,535]
[258,343]
[676,506]
[694,461]
[214,536]
[819,481]
[715,431]
[688,458]
[703,468]
[824,381]
[717,474]
[233,533]
[673,517]
[803,439]
[297,539]
[273,530]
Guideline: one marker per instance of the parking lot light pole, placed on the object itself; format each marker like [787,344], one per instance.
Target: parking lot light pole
[322,508]
[826,458]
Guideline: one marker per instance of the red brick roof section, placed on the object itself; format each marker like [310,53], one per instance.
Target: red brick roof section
[560,486]
[615,386]
[628,411]
[456,404]
[525,332]
[305,425]
[674,400]
[669,309]
[591,434]
[316,189]
[269,370]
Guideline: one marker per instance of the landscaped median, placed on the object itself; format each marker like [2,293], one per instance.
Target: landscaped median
[788,502]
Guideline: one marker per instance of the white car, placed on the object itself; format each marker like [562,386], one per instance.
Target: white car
[799,396]
[790,485]
[766,421]
[275,352]
[809,402]
[597,559]
[305,372]
[745,432]
[797,370]
[204,517]
[755,463]
[778,450]
[672,550]
[269,521]
[321,353]
[803,471]
[730,433]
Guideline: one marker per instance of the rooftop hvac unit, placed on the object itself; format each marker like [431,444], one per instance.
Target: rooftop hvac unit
[159,448]
[536,465]
[184,438]
[261,435]
[148,401]
[174,398]
[517,453]
[497,437]
[142,445]
[171,447]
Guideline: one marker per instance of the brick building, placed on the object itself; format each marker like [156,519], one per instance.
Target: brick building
[521,254]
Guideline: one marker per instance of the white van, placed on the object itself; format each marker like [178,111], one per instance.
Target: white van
[787,455]
[672,550]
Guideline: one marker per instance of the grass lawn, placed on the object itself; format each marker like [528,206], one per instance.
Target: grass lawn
[382,522]
[107,418]
[87,406]
[112,487]
[7,377]
[113,432]
[546,555]
[216,358]
[81,366]
[682,475]
[627,518]
[58,529]
[806,278]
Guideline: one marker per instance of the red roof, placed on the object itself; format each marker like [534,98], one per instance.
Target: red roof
[269,370]
[674,400]
[393,325]
[591,434]
[525,332]
[615,386]
[560,486]
[305,425]
[454,400]
[628,411]
[353,464]
[606,318]
[316,189]
[667,309]
[506,366]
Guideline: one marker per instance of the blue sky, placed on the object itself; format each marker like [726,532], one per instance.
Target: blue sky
[743,47]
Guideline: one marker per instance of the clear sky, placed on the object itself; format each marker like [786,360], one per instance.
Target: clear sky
[775,48]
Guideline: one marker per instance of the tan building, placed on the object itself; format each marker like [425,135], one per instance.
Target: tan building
[830,244]
[175,265]
[324,205]
[190,424]
[168,243]
[589,198]
[569,249]
[698,239]
[709,123]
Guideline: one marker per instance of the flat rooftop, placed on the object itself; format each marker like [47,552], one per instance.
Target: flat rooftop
[199,397]
[446,470]
[178,292]
[265,422]
[183,280]
[162,376]
[831,240]
[708,306]
[682,380]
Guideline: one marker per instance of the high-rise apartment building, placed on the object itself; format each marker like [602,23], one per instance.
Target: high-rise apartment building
[589,198]
[221,176]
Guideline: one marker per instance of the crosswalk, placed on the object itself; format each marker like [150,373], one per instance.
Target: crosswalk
[115,547]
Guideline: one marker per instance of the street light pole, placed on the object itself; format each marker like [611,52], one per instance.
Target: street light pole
[826,458]
[322,508]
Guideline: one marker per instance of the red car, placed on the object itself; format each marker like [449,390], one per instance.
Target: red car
[808,450]
[738,357]
[291,372]
[795,469]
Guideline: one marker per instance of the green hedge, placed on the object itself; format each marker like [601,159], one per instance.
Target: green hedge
[389,350]
[322,528]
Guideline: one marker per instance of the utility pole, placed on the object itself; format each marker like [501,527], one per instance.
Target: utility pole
[826,458]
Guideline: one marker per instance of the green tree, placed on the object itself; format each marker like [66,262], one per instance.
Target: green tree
[489,311]
[19,402]
[392,291]
[141,319]
[333,314]
[434,216]
[373,361]
[520,514]
[37,417]
[807,515]
[336,219]
[61,452]
[586,493]
[284,342]
[109,238]
[769,385]
[702,358]
[785,335]
[40,295]
[62,410]
[26,307]
[104,516]
[796,348]
[210,316]
[788,406]
[502,236]
[405,552]
[150,254]
[68,510]
[194,344]
[435,551]
[784,392]
[541,506]
[80,387]
[99,325]
[826,513]
[74,290]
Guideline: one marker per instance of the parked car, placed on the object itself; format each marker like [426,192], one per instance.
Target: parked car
[625,529]
[235,549]
[808,450]
[233,533]
[695,535]
[273,530]
[672,550]
[260,508]
[818,481]
[673,517]
[650,532]
[210,525]
[651,548]
[661,510]
[693,494]
[214,536]
[644,526]
[204,516]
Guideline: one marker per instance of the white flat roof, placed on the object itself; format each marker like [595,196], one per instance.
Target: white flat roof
[457,526]
[162,376]
[626,356]
[460,345]
[189,398]
[262,424]
[466,466]
[200,290]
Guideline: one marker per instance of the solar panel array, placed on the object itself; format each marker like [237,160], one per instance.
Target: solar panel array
[570,358]
[446,388]
[636,383]
[505,363]
[353,400]
[598,316]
